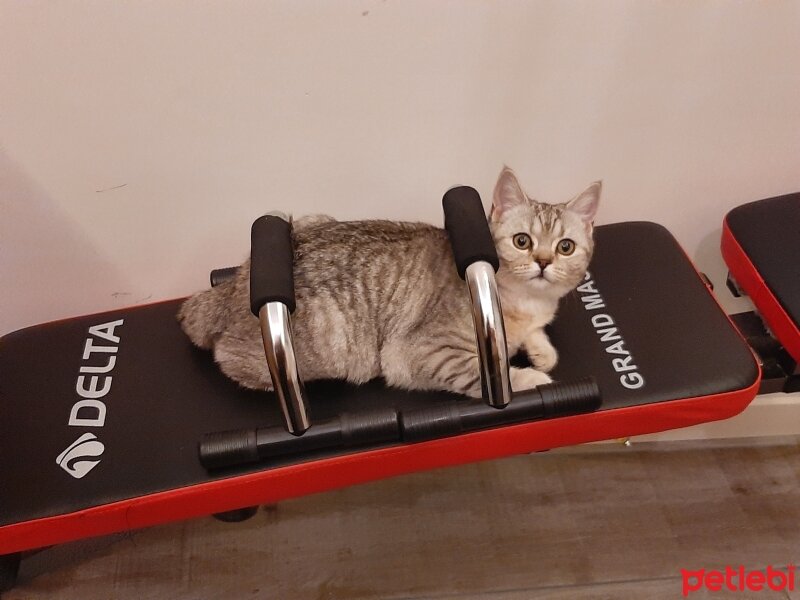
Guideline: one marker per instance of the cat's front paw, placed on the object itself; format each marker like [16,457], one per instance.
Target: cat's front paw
[526,379]
[543,357]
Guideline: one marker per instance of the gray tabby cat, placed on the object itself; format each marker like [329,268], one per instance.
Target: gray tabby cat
[383,299]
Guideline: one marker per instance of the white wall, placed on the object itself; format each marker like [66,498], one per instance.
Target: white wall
[139,140]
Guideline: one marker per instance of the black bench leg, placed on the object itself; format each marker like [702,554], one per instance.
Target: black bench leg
[238,515]
[9,568]
[733,286]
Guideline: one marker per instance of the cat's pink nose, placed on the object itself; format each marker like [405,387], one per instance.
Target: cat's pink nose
[543,263]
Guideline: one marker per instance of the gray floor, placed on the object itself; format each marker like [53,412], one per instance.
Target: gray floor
[597,522]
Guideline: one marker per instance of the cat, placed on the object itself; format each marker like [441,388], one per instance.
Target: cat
[383,298]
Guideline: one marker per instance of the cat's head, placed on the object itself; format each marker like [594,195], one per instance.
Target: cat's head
[544,248]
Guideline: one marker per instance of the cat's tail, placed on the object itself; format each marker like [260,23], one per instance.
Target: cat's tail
[200,317]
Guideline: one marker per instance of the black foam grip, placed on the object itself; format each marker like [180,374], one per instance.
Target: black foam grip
[223,275]
[370,426]
[570,397]
[231,448]
[387,425]
[468,229]
[224,448]
[271,263]
[431,422]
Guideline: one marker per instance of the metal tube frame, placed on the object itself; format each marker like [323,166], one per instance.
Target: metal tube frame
[276,331]
[490,334]
[490,337]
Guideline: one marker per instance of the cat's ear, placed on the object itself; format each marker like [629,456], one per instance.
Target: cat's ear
[507,193]
[585,204]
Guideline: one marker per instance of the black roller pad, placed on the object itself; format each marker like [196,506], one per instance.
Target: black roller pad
[643,323]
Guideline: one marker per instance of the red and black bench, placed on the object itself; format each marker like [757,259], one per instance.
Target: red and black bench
[761,246]
[644,325]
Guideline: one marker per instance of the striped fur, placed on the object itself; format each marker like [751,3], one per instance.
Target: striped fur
[383,299]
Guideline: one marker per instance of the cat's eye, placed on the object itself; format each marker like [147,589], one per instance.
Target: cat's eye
[566,247]
[522,241]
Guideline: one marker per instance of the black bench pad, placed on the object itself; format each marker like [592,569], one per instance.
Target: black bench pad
[761,246]
[678,362]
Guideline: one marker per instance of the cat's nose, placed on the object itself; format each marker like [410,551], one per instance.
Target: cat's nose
[543,262]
